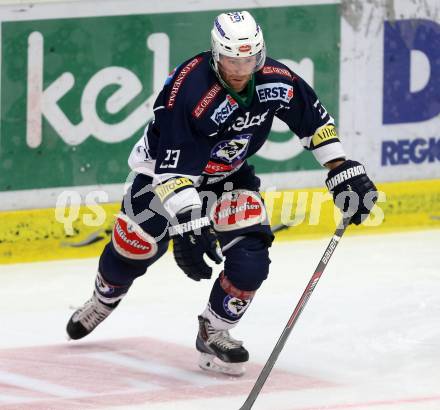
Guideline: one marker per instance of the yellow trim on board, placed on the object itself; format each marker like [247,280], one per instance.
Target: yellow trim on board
[36,235]
[402,206]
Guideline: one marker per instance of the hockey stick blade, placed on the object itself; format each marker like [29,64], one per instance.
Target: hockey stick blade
[264,374]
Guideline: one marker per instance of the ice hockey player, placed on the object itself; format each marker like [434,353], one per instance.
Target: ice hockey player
[193,185]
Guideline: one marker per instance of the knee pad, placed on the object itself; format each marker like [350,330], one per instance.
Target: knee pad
[130,252]
[131,241]
[247,263]
[240,212]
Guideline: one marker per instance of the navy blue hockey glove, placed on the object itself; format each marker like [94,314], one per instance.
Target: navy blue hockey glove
[353,192]
[192,239]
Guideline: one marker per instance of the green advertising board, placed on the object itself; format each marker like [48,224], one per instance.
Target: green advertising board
[77,92]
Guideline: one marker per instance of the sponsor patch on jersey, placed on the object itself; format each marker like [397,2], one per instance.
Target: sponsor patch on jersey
[235,307]
[247,121]
[179,80]
[224,110]
[237,209]
[213,167]
[169,187]
[131,241]
[231,150]
[274,91]
[270,69]
[206,100]
[324,134]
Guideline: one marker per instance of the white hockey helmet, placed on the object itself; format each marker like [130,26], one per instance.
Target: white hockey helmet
[237,35]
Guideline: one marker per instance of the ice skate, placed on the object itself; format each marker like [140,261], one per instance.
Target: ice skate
[87,317]
[219,351]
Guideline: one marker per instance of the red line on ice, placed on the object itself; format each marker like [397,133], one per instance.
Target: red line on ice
[82,375]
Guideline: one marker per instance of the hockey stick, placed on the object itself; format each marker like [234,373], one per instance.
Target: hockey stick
[275,228]
[295,315]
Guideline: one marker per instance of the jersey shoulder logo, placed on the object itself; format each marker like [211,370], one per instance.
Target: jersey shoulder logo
[271,70]
[231,150]
[224,110]
[274,91]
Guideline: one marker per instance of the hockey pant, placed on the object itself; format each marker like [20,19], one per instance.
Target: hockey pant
[140,237]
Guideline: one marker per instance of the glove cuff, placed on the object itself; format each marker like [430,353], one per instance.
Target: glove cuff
[186,224]
[344,172]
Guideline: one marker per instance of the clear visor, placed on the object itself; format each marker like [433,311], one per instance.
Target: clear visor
[242,65]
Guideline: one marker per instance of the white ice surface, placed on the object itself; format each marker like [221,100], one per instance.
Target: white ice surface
[371,329]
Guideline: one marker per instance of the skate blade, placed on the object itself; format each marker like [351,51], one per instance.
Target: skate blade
[213,364]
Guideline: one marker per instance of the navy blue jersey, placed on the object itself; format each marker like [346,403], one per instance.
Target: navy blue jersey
[204,131]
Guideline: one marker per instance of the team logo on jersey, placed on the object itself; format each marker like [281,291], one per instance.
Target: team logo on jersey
[224,110]
[274,91]
[232,150]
